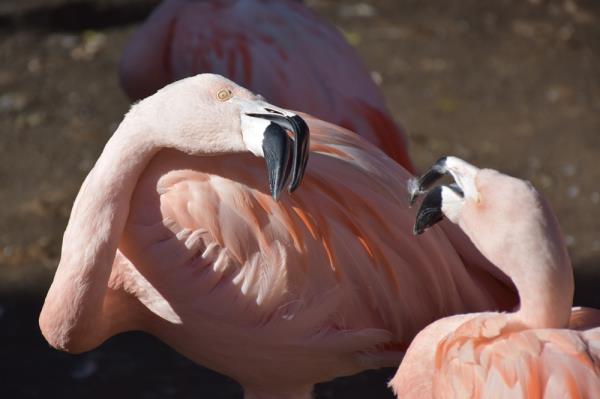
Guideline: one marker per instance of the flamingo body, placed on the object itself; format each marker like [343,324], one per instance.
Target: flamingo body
[484,359]
[277,48]
[487,356]
[174,233]
[545,349]
[320,271]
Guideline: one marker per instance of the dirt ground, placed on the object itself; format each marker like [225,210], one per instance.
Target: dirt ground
[510,84]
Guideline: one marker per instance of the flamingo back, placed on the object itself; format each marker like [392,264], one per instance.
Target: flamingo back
[493,357]
[276,48]
[328,280]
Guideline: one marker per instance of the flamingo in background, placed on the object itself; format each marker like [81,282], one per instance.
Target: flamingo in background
[176,231]
[272,47]
[530,353]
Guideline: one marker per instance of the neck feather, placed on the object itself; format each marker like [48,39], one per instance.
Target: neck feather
[102,206]
[75,300]
[546,293]
[536,259]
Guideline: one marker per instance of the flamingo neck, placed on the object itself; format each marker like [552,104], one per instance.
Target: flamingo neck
[101,209]
[102,205]
[73,310]
[537,261]
[522,238]
[546,295]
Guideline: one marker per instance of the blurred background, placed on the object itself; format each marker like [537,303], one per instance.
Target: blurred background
[509,84]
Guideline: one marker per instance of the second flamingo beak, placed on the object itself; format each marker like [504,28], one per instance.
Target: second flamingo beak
[436,203]
[419,186]
[444,200]
[286,154]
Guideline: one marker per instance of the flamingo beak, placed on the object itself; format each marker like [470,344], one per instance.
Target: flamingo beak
[444,200]
[436,204]
[420,186]
[286,154]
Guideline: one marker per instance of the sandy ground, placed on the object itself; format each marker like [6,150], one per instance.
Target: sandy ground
[510,84]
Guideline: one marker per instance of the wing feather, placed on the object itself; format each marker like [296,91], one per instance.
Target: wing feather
[528,364]
[334,263]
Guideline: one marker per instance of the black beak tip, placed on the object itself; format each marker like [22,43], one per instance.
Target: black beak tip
[420,185]
[430,212]
[293,187]
[421,225]
[286,156]
[276,150]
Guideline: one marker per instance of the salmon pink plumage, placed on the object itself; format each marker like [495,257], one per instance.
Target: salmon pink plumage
[276,48]
[175,232]
[543,350]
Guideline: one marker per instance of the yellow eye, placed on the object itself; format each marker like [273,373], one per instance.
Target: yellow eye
[224,94]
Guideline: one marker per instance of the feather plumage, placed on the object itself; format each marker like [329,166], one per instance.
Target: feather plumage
[277,48]
[328,267]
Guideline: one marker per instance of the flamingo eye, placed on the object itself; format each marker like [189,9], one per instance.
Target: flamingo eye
[224,94]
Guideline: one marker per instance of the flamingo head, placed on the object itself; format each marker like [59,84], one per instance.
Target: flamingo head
[512,225]
[444,200]
[477,199]
[208,114]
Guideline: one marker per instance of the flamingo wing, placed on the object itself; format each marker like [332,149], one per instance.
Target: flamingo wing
[490,358]
[330,271]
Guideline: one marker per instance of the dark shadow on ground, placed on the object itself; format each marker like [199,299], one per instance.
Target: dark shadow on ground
[136,365]
[132,365]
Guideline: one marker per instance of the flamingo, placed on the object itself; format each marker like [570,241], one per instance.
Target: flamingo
[544,349]
[272,47]
[179,232]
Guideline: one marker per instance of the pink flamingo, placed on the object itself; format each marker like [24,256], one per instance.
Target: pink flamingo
[272,47]
[544,349]
[174,233]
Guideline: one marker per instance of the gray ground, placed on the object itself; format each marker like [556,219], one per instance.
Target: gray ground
[510,84]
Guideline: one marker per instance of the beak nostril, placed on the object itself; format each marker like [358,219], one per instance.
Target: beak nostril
[273,111]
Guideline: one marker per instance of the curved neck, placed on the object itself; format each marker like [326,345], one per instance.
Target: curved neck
[533,254]
[546,293]
[75,300]
[102,206]
[543,273]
